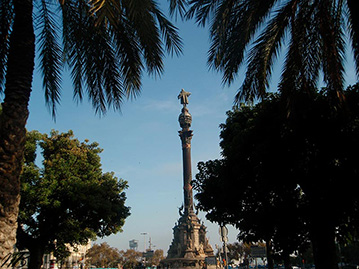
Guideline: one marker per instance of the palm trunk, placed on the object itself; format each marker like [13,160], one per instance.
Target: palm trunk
[20,66]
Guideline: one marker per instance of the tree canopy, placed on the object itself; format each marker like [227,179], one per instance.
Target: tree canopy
[290,178]
[68,200]
[103,256]
[130,258]
[155,258]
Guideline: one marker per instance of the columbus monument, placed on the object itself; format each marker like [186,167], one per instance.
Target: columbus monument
[190,247]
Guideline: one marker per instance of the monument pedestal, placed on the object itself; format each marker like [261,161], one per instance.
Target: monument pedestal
[189,247]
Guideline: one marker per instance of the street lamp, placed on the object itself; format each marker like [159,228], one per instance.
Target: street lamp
[223,231]
[144,242]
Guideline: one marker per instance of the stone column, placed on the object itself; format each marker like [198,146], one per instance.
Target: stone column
[185,120]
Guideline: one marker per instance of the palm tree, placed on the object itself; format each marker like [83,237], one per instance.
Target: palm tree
[254,31]
[107,45]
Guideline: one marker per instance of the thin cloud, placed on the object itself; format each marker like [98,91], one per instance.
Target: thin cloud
[160,105]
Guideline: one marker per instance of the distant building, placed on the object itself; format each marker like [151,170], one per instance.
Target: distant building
[76,260]
[77,257]
[133,244]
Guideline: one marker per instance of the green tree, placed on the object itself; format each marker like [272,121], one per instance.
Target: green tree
[107,46]
[102,256]
[238,250]
[251,174]
[69,200]
[254,32]
[155,259]
[350,252]
[130,258]
[291,178]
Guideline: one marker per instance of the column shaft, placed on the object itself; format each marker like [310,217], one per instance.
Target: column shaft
[186,137]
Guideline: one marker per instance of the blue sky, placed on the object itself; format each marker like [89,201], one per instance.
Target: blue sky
[141,144]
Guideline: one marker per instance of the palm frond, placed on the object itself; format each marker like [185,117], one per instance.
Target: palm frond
[129,57]
[139,13]
[93,71]
[169,32]
[316,43]
[108,44]
[231,33]
[50,55]
[262,54]
[354,30]
[106,10]
[308,45]
[110,10]
[202,10]
[90,53]
[73,44]
[101,70]
[6,19]
[303,60]
[178,6]
[332,48]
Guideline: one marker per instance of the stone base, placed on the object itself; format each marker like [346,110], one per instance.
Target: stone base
[185,263]
[190,246]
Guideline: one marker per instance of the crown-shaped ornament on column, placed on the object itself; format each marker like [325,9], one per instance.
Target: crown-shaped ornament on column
[185,118]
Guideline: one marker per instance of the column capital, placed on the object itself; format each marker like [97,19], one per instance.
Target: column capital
[186,137]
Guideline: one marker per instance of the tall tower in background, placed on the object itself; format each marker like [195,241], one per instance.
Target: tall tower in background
[190,247]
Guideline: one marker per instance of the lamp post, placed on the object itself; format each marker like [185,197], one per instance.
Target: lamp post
[144,248]
[223,231]
[144,242]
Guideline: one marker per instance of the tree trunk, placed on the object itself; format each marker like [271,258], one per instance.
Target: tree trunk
[323,241]
[286,260]
[36,255]
[20,67]
[269,253]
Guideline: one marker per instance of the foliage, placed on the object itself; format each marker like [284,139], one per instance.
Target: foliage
[255,32]
[291,176]
[130,258]
[304,258]
[350,252]
[237,250]
[106,44]
[156,258]
[133,259]
[69,200]
[253,168]
[103,256]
